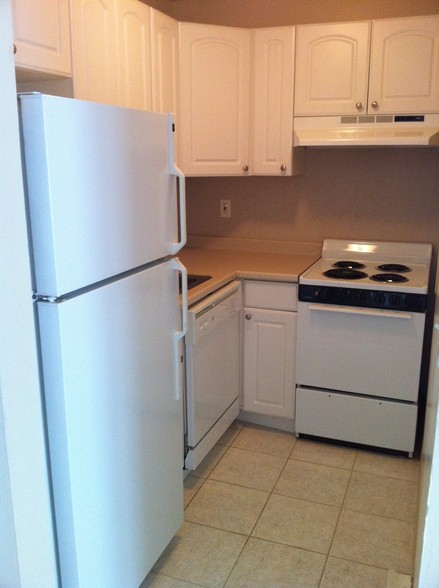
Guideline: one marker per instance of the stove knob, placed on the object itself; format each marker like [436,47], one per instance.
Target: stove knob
[358,295]
[321,293]
[379,298]
[394,300]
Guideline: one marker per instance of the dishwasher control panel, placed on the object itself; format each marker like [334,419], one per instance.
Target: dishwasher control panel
[212,311]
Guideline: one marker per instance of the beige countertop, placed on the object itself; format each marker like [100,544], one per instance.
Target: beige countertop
[225,265]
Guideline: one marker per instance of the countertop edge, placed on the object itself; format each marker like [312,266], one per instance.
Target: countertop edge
[225,266]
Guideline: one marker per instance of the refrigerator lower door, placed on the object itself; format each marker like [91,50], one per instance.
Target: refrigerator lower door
[114,418]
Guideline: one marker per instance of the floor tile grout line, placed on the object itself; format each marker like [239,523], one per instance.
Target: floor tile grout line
[320,464]
[338,520]
[236,561]
[259,516]
[369,565]
[372,514]
[363,452]
[269,494]
[180,580]
[210,526]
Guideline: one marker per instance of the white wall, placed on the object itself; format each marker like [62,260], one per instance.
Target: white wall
[427,560]
[27,556]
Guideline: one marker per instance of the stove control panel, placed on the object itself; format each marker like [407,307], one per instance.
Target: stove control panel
[363,298]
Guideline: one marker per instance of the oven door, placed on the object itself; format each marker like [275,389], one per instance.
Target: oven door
[360,350]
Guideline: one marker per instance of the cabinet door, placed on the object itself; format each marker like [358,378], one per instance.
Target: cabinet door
[164,53]
[332,63]
[273,81]
[404,69]
[269,362]
[134,53]
[165,74]
[42,37]
[94,52]
[214,99]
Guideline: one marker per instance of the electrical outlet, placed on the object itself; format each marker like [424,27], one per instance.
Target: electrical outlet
[225,208]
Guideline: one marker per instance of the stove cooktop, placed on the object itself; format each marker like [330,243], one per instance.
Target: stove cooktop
[386,266]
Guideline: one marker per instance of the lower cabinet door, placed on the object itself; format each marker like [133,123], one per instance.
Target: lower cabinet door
[269,362]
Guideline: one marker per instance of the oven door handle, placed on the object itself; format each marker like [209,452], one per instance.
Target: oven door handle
[361,311]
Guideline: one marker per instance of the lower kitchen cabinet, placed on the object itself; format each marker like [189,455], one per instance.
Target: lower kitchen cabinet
[269,339]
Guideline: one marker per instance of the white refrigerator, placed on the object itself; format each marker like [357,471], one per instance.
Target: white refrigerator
[106,214]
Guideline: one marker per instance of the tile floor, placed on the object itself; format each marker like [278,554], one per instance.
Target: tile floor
[267,510]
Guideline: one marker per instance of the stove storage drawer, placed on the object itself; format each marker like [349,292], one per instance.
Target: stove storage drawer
[357,419]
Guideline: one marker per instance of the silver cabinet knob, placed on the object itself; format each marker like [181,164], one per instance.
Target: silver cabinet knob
[359,106]
[374,104]
[248,316]
[245,168]
[283,167]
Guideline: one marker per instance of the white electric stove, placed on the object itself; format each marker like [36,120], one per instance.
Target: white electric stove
[361,318]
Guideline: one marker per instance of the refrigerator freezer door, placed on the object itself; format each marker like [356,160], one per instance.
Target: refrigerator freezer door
[115,426]
[101,189]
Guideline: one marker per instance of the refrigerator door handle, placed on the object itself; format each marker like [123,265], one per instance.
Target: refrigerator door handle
[177,265]
[175,247]
[174,170]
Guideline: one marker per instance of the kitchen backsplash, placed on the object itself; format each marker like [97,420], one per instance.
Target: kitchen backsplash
[383,194]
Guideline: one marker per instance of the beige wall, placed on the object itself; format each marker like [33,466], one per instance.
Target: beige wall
[260,13]
[363,193]
[166,6]
[390,194]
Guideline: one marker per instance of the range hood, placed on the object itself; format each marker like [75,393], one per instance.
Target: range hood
[382,130]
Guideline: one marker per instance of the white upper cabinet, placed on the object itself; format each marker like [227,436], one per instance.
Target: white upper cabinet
[273,95]
[94,51]
[236,101]
[164,53]
[42,38]
[111,42]
[214,99]
[165,72]
[134,54]
[404,72]
[332,64]
[334,75]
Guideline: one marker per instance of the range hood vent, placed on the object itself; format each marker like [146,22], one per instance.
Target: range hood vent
[382,130]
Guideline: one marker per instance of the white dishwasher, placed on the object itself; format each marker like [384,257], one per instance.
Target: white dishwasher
[213,360]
